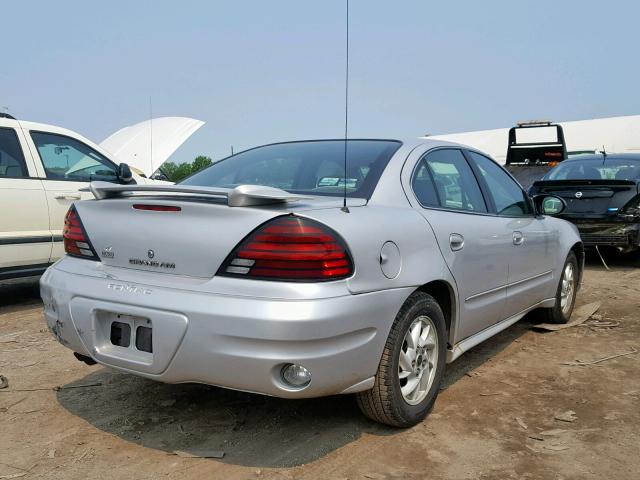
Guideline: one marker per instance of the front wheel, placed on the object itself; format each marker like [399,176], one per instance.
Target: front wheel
[412,365]
[566,292]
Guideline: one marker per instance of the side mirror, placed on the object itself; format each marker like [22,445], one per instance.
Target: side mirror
[124,173]
[549,204]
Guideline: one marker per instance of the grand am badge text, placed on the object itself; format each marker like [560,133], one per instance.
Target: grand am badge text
[151,263]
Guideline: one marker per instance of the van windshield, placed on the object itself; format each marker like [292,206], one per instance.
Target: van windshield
[309,167]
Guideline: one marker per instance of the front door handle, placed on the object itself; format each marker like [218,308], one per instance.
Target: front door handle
[518,238]
[67,196]
[456,242]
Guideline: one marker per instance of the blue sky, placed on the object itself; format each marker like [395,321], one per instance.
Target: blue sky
[263,71]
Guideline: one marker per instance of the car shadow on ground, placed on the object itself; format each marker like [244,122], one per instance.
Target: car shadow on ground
[252,430]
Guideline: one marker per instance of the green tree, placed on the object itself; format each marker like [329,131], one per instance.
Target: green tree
[169,169]
[200,162]
[177,171]
[183,170]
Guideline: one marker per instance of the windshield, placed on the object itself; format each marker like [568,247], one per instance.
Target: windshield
[311,167]
[596,169]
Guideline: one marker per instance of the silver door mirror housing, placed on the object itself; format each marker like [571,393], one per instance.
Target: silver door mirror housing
[549,204]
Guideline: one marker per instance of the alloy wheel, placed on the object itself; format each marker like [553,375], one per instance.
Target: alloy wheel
[418,360]
[568,288]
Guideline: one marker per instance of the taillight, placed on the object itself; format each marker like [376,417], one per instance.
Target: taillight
[632,208]
[290,249]
[76,241]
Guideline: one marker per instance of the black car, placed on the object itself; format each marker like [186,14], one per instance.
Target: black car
[602,192]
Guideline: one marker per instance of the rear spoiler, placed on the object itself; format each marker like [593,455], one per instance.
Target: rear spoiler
[240,196]
[580,183]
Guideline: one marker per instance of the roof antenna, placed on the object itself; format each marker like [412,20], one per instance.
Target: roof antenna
[151,136]
[346,117]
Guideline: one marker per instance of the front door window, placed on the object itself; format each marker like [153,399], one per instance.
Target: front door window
[65,158]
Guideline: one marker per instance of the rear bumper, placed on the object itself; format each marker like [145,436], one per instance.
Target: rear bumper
[231,341]
[617,234]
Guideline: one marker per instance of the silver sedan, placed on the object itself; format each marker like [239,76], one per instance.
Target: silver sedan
[312,268]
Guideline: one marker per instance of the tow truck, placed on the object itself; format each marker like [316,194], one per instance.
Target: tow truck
[534,148]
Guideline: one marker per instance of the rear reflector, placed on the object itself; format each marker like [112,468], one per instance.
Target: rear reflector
[290,249]
[156,208]
[76,241]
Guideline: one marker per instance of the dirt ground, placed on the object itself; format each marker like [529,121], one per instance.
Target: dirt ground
[495,418]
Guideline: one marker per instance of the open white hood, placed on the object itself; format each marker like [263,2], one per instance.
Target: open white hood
[133,145]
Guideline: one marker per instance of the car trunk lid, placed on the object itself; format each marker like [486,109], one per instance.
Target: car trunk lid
[590,199]
[161,229]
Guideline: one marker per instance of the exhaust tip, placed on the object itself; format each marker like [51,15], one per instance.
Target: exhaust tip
[84,358]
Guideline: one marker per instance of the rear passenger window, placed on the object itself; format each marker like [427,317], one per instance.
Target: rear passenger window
[423,186]
[444,179]
[11,159]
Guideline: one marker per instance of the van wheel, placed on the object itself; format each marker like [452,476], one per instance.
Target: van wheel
[412,365]
[565,294]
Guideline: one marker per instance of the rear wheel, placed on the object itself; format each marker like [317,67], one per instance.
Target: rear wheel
[566,292]
[412,365]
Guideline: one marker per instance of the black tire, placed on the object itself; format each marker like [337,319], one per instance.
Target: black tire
[385,403]
[555,313]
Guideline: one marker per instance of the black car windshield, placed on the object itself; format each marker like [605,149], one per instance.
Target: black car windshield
[310,167]
[596,169]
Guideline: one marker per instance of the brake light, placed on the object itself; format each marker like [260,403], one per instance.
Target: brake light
[156,208]
[291,249]
[76,241]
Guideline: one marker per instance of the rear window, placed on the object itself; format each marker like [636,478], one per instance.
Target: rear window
[596,169]
[312,167]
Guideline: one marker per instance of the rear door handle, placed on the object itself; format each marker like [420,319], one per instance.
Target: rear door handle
[518,238]
[67,196]
[456,242]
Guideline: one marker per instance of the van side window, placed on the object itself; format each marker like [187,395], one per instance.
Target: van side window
[11,158]
[445,179]
[65,158]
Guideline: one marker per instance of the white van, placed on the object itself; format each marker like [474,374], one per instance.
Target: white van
[42,169]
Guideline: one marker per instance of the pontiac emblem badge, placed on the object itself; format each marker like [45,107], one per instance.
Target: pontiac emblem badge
[150,253]
[578,194]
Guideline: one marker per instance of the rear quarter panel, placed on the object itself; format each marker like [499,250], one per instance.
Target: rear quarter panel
[367,229]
